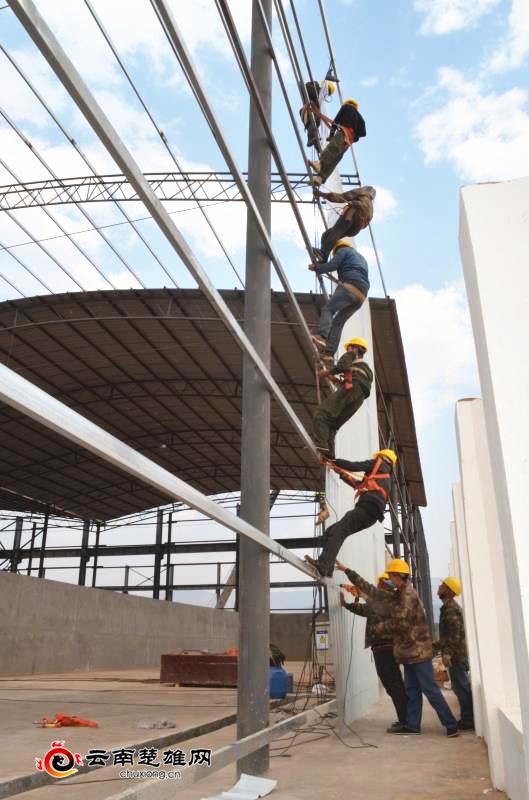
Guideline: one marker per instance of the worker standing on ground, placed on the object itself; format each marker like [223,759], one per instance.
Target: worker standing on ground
[413,649]
[372,492]
[354,386]
[453,647]
[354,217]
[318,93]
[351,292]
[347,127]
[376,609]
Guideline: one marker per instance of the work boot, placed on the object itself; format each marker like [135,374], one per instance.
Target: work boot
[402,730]
[465,726]
[319,341]
[451,733]
[319,255]
[315,564]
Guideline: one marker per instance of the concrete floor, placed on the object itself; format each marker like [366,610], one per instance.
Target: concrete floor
[427,767]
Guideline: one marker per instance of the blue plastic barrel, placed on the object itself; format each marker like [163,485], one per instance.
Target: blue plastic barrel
[278,683]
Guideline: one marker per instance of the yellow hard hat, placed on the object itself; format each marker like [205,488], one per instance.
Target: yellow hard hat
[341,243]
[358,341]
[351,102]
[453,584]
[399,566]
[331,87]
[389,454]
[383,577]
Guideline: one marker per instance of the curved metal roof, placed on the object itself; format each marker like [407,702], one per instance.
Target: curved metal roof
[159,370]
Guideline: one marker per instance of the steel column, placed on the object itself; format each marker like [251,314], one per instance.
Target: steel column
[254,567]
[395,524]
[158,555]
[168,568]
[126,581]
[43,545]
[96,554]
[15,558]
[32,545]
[84,553]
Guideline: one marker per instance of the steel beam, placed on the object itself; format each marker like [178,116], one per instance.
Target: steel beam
[40,33]
[188,187]
[158,555]
[27,398]
[15,557]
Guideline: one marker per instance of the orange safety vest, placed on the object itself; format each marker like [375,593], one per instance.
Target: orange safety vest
[368,482]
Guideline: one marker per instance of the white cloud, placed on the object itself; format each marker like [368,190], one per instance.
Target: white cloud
[369,82]
[385,204]
[514,49]
[439,346]
[484,135]
[446,16]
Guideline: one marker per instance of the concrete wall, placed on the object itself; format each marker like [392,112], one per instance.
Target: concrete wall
[292,634]
[48,626]
[494,244]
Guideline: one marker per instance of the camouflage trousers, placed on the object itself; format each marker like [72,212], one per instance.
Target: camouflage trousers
[333,154]
[333,412]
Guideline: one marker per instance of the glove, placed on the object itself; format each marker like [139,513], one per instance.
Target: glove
[447,659]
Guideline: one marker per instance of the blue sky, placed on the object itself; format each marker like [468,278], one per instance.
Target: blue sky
[443,86]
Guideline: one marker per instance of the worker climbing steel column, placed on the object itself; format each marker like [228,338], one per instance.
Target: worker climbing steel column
[354,386]
[310,114]
[347,127]
[354,217]
[378,608]
[372,492]
[353,286]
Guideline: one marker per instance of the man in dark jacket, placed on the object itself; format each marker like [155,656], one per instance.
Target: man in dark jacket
[351,292]
[372,491]
[348,127]
[453,647]
[413,648]
[354,386]
[354,217]
[376,609]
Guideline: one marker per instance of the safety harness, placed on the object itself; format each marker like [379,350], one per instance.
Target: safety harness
[348,133]
[369,483]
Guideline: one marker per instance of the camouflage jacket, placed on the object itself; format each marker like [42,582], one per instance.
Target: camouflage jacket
[359,201]
[378,608]
[362,374]
[412,642]
[452,640]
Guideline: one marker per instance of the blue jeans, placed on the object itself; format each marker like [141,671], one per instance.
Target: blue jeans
[334,315]
[458,672]
[419,680]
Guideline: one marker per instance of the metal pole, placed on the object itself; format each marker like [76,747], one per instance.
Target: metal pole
[30,559]
[15,558]
[158,555]
[169,569]
[254,568]
[217,590]
[43,545]
[395,526]
[96,553]
[84,558]
[126,583]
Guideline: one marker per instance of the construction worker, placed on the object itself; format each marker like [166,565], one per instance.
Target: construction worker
[372,492]
[347,127]
[412,647]
[376,609]
[453,648]
[351,292]
[354,217]
[318,92]
[354,386]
